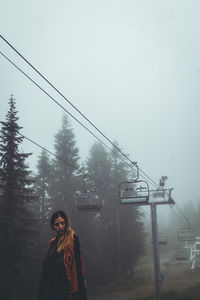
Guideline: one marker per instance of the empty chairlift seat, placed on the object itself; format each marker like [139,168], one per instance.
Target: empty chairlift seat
[88,200]
[162,240]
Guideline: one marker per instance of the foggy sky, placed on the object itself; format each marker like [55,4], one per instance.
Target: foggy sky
[132,67]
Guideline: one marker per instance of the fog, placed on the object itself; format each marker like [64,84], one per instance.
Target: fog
[132,67]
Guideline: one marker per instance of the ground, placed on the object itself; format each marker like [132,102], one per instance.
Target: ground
[177,276]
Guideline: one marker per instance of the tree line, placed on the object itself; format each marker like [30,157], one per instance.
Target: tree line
[112,239]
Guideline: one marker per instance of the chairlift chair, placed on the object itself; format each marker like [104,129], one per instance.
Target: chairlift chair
[87,199]
[162,240]
[182,254]
[134,192]
[186,234]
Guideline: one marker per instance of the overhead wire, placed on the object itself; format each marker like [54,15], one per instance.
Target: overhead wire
[91,123]
[19,69]
[178,216]
[79,170]
[187,220]
[83,173]
[72,166]
[53,99]
[62,159]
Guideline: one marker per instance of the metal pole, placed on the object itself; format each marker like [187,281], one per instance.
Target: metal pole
[118,242]
[155,248]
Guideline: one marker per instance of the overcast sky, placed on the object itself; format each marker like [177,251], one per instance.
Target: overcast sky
[132,67]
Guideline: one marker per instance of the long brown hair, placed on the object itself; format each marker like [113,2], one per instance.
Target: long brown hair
[68,235]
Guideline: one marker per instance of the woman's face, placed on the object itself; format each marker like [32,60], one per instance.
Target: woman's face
[59,225]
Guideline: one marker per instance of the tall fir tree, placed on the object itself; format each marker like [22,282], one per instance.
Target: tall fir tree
[131,233]
[64,185]
[120,230]
[98,166]
[43,182]
[15,216]
[119,173]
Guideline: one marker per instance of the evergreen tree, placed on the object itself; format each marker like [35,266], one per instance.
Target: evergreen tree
[15,214]
[119,173]
[129,233]
[64,185]
[98,167]
[43,187]
[114,225]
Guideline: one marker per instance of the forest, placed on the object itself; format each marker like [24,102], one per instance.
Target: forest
[28,199]
[113,238]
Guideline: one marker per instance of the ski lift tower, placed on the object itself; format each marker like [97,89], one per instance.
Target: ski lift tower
[137,192]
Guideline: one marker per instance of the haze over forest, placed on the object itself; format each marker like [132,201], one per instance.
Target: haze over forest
[132,67]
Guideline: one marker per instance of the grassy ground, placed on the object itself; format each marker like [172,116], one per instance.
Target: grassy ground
[180,283]
[192,293]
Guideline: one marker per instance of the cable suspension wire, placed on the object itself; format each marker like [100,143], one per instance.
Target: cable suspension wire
[92,177]
[131,166]
[53,99]
[91,123]
[68,163]
[62,159]
[187,220]
[178,216]
[19,69]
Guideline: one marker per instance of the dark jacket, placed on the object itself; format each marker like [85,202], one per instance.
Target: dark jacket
[58,271]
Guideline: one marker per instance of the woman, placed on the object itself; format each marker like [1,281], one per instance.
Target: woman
[63,274]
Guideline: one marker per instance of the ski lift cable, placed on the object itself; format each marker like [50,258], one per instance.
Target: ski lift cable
[152,181]
[54,100]
[148,178]
[178,216]
[92,177]
[62,159]
[68,163]
[130,166]
[187,220]
[91,123]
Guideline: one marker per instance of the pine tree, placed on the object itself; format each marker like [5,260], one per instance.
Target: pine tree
[119,173]
[65,166]
[43,187]
[131,233]
[124,226]
[15,215]
[114,225]
[98,167]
